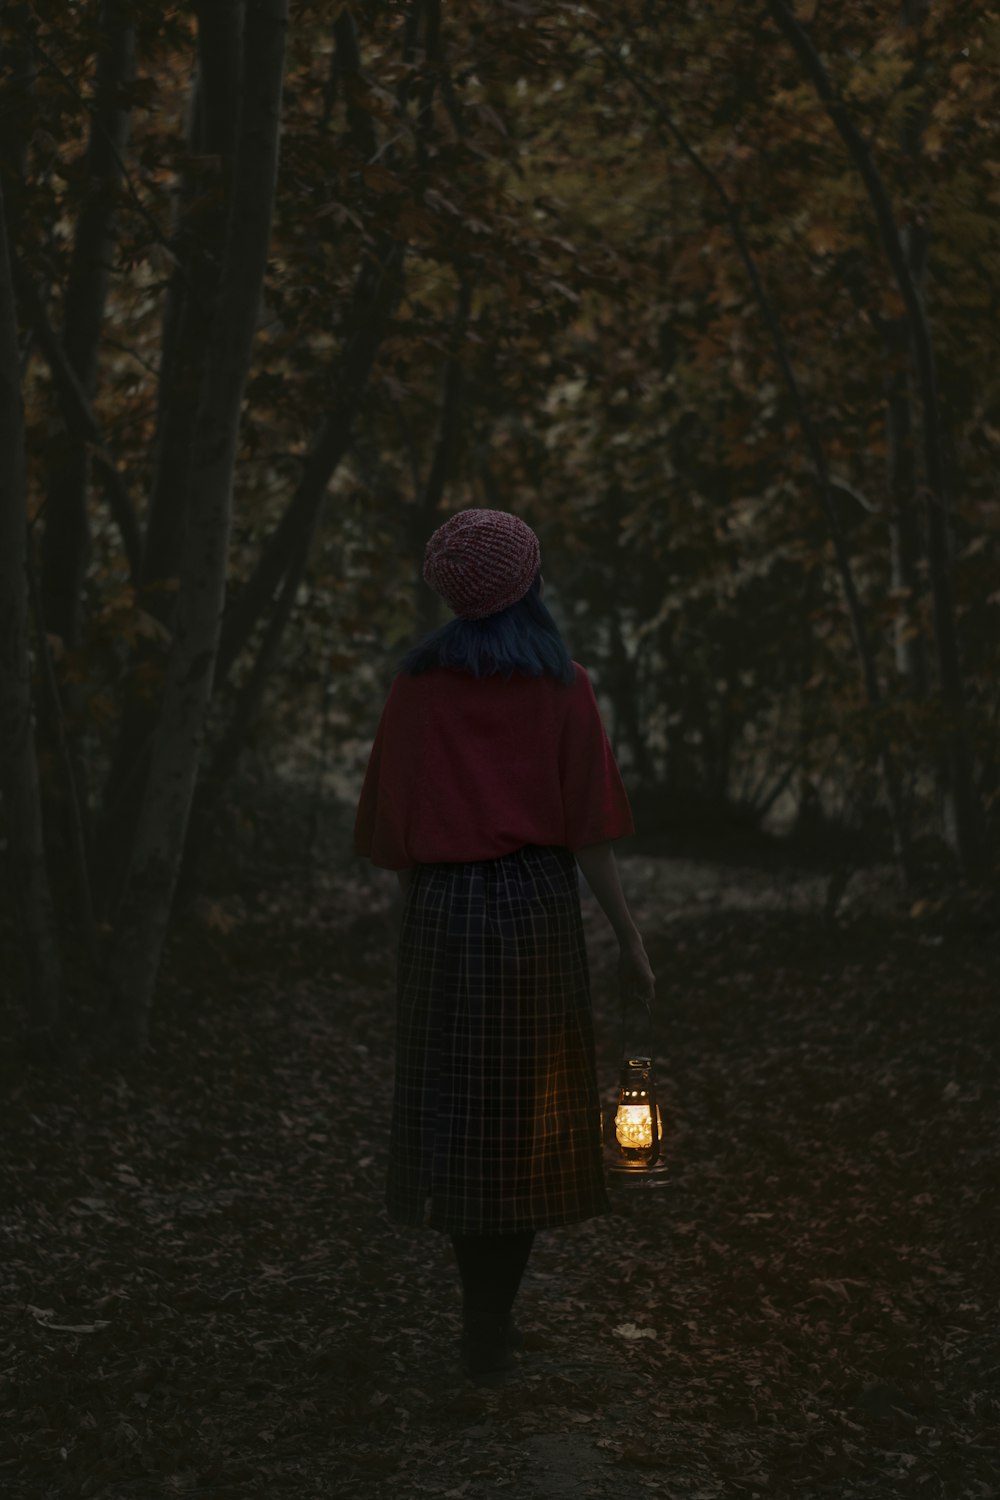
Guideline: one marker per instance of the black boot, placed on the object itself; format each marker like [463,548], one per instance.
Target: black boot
[485,1345]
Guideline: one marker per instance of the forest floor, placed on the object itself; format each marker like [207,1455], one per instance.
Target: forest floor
[203,1296]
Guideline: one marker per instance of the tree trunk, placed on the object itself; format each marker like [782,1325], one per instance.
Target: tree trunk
[73,357]
[224,760]
[66,541]
[426,516]
[29,884]
[377,294]
[961,814]
[17,82]
[159,841]
[904,537]
[625,695]
[198,240]
[77,828]
[76,412]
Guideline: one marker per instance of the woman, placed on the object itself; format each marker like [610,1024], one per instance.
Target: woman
[490,779]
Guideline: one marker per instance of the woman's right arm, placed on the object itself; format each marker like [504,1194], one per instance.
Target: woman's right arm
[600,870]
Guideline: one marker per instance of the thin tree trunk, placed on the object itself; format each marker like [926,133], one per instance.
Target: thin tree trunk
[624,692]
[78,415]
[901,479]
[198,241]
[65,548]
[17,73]
[807,812]
[78,831]
[29,884]
[425,514]
[961,818]
[377,295]
[66,542]
[904,539]
[74,404]
[159,841]
[227,753]
[678,780]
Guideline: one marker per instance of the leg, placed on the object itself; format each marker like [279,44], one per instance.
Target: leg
[491,1267]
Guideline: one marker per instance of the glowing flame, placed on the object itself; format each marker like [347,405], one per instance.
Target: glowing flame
[634,1127]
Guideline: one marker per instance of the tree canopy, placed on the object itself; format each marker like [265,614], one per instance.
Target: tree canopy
[707,294]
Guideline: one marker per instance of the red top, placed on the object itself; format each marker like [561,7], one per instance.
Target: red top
[466,768]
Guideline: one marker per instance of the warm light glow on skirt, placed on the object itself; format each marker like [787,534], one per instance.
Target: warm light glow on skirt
[496,1111]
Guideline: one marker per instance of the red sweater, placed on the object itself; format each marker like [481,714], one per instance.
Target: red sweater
[466,768]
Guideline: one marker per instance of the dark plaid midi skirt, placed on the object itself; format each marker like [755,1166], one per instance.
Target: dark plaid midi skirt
[496,1122]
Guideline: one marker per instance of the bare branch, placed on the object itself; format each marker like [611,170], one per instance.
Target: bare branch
[821,476]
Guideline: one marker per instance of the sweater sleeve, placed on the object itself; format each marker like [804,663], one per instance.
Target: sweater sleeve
[364,822]
[595,803]
[381,821]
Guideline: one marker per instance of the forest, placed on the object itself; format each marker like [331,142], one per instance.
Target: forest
[708,295]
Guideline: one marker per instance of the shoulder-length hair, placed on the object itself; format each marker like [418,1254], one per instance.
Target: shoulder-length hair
[521,638]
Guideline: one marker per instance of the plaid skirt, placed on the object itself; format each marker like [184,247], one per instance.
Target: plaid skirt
[496,1123]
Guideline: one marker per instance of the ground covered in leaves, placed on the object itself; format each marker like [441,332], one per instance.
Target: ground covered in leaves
[202,1295]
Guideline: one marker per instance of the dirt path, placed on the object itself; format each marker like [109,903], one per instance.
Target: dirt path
[809,1308]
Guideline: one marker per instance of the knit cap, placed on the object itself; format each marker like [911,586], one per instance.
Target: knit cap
[481,561]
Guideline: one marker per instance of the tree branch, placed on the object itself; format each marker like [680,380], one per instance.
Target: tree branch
[156,233]
[78,819]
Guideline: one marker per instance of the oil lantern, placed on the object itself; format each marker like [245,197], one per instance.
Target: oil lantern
[634,1133]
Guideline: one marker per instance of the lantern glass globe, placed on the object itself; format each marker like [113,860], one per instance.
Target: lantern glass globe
[634,1126]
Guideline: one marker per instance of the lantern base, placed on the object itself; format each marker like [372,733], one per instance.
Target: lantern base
[637,1175]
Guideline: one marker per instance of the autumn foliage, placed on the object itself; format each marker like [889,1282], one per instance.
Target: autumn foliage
[615,269]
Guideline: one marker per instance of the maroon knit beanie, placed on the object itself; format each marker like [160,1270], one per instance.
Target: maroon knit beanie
[481,561]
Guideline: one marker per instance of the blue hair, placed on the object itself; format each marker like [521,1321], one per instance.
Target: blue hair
[521,638]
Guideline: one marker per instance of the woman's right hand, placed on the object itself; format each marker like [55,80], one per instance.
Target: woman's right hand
[636,980]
